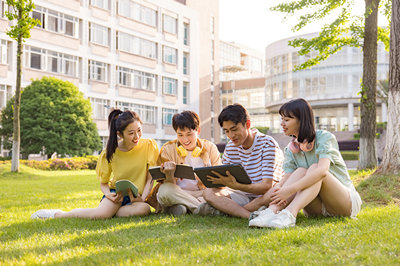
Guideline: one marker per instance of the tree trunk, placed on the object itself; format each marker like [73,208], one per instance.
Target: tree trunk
[391,157]
[17,103]
[368,90]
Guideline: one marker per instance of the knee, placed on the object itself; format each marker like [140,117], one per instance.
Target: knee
[302,171]
[136,209]
[143,209]
[313,166]
[165,191]
[209,194]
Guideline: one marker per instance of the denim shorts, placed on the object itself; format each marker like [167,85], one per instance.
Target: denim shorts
[125,201]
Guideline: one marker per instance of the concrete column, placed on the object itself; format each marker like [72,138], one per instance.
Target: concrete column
[384,112]
[350,112]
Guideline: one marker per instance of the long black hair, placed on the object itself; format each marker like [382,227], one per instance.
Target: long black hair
[301,109]
[117,122]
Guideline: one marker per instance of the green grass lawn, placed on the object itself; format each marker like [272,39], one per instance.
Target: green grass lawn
[373,238]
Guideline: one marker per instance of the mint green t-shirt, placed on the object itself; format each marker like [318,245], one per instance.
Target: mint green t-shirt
[325,146]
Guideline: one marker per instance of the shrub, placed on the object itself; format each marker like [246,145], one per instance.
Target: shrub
[75,163]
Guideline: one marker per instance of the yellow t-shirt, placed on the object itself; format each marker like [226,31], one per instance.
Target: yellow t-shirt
[131,165]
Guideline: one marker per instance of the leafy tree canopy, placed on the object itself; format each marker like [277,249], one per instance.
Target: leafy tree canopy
[346,29]
[55,117]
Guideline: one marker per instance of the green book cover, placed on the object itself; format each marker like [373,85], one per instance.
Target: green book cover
[124,185]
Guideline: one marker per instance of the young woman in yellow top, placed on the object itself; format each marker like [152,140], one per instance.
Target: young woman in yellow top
[126,158]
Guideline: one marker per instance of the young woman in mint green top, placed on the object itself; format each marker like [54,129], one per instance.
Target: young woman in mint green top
[316,178]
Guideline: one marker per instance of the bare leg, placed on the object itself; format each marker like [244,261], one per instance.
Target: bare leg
[106,209]
[264,200]
[219,199]
[296,175]
[330,191]
[136,209]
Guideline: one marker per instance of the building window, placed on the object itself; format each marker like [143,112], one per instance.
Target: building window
[51,61]
[212,25]
[98,71]
[185,90]
[147,113]
[99,3]
[169,55]
[169,24]
[3,96]
[98,34]
[185,63]
[3,52]
[100,108]
[3,8]
[136,79]
[137,12]
[169,86]
[185,34]
[212,49]
[132,44]
[167,115]
[55,21]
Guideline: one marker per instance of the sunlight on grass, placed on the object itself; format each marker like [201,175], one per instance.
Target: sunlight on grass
[162,239]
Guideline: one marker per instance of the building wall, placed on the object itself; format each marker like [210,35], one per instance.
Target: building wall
[208,53]
[238,61]
[121,57]
[248,92]
[331,87]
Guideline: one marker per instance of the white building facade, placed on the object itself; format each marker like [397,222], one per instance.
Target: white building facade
[332,87]
[127,54]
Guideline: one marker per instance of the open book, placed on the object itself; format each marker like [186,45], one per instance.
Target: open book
[186,171]
[181,171]
[124,185]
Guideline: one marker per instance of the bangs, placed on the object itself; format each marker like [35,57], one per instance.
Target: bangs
[287,110]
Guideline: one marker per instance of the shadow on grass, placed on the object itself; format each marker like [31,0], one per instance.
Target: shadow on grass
[163,224]
[380,189]
[155,235]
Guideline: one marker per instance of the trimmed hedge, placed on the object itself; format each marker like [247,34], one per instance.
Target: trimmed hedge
[75,163]
[350,155]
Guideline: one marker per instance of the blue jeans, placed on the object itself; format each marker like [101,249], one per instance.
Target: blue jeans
[125,201]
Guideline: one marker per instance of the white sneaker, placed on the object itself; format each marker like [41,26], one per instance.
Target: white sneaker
[263,219]
[257,212]
[45,214]
[284,219]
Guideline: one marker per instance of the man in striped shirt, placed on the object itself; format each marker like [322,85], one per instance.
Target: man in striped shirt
[260,156]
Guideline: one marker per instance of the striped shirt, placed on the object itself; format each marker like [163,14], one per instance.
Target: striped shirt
[264,159]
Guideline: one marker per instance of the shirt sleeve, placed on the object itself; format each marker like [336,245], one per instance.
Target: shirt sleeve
[103,168]
[272,159]
[164,155]
[327,147]
[225,157]
[289,164]
[152,153]
[215,157]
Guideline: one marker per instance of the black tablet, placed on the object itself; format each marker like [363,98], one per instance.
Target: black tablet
[236,170]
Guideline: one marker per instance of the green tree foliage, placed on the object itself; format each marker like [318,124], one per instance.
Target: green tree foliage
[55,117]
[347,29]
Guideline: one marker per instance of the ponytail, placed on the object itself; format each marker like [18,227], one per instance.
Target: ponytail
[117,122]
[112,142]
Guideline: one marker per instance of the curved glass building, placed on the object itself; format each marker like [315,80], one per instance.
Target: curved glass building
[332,87]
